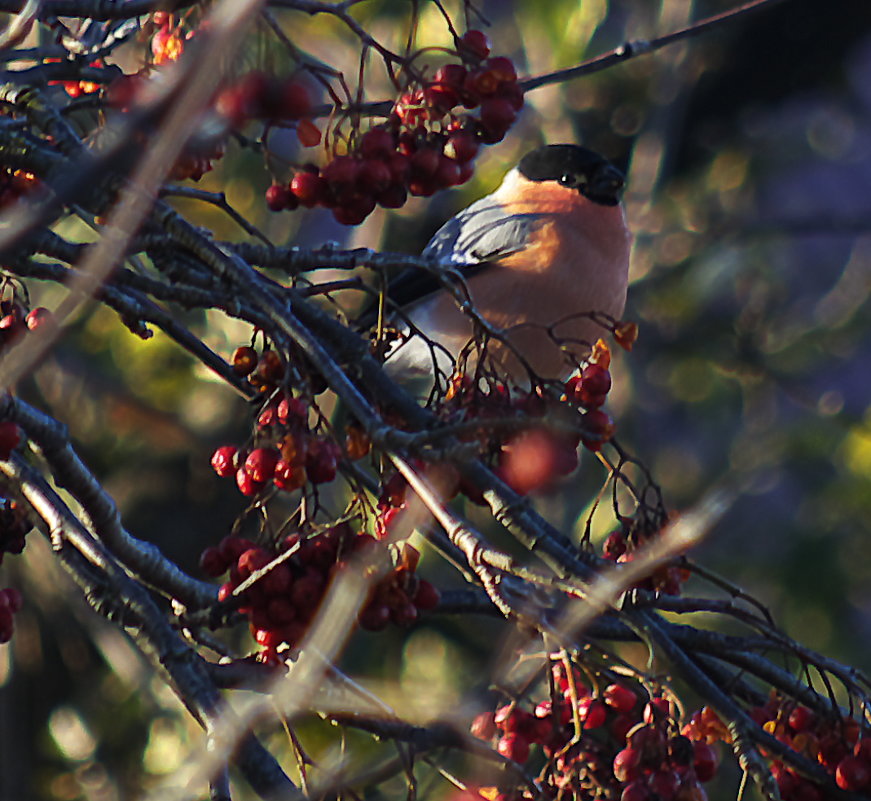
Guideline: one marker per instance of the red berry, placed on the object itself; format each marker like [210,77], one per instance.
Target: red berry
[247,485]
[309,188]
[637,791]
[7,625]
[225,591]
[621,726]
[461,146]
[260,464]
[595,381]
[11,599]
[627,765]
[295,100]
[448,173]
[10,438]
[393,197]
[288,476]
[374,175]
[481,83]
[212,563]
[620,697]
[354,209]
[404,614]
[502,67]
[376,143]
[852,773]
[475,43]
[497,116]
[615,546]
[427,596]
[531,461]
[453,75]
[38,317]
[441,97]
[665,784]
[424,163]
[321,461]
[592,712]
[252,560]
[704,761]
[279,198]
[341,173]
[514,746]
[483,726]
[512,94]
[244,360]
[374,617]
[598,429]
[280,611]
[307,591]
[801,719]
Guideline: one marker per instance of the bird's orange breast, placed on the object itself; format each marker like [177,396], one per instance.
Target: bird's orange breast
[575,261]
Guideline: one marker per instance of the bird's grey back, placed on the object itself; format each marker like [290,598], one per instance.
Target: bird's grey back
[482,232]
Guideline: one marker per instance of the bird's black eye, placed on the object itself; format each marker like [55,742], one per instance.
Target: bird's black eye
[567,179]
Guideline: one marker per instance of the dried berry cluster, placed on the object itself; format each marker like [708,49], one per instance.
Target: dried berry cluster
[427,144]
[282,587]
[612,742]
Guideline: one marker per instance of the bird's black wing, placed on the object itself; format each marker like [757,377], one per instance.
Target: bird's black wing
[472,240]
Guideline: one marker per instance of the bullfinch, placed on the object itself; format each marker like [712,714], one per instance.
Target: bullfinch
[549,245]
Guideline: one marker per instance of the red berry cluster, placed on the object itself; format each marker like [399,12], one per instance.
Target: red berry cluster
[426,145]
[603,744]
[281,603]
[835,743]
[285,452]
[622,545]
[536,457]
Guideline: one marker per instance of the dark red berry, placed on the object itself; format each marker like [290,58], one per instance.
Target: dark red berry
[279,198]
[704,761]
[620,697]
[244,360]
[10,438]
[38,317]
[461,146]
[474,43]
[514,746]
[212,563]
[852,773]
[295,100]
[309,188]
[427,595]
[376,143]
[260,464]
[247,485]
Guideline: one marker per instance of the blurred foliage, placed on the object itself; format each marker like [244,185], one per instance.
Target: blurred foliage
[749,157]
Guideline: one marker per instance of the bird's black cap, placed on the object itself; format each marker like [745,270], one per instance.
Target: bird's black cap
[577,168]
